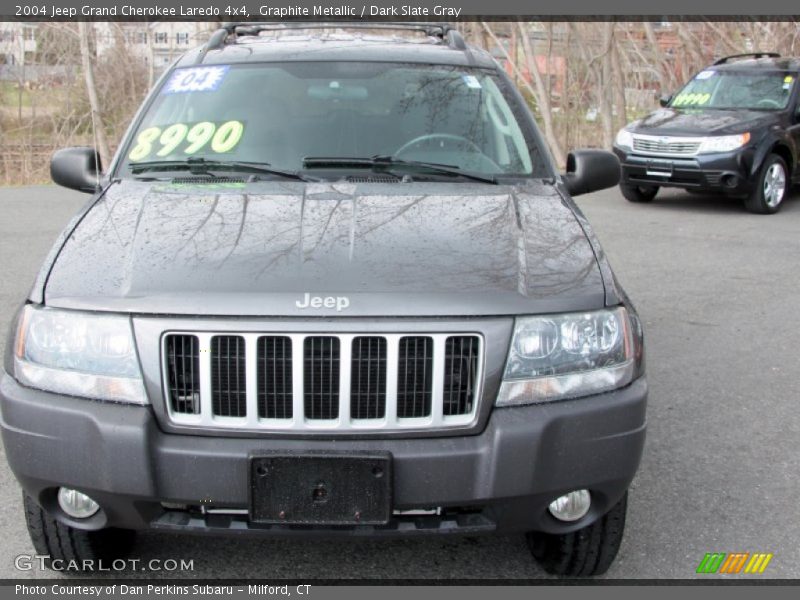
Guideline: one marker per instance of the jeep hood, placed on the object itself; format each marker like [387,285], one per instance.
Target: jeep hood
[689,122]
[256,249]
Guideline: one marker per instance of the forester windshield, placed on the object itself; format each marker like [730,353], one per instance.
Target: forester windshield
[736,89]
[283,114]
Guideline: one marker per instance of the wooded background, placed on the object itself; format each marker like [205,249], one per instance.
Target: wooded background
[583,80]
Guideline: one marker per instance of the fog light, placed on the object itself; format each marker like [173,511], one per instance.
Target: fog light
[76,504]
[572,506]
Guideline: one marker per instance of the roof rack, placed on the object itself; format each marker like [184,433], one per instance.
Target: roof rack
[726,59]
[444,31]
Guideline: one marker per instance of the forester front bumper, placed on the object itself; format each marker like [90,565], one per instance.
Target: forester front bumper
[501,479]
[725,172]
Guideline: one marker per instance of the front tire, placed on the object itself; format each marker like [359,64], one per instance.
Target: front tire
[585,552]
[65,544]
[771,187]
[639,193]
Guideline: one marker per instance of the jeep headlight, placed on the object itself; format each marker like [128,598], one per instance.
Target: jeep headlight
[624,138]
[79,354]
[723,143]
[553,357]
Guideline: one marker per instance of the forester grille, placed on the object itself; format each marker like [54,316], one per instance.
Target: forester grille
[183,379]
[667,146]
[351,382]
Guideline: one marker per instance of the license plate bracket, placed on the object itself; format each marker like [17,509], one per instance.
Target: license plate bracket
[321,488]
[660,168]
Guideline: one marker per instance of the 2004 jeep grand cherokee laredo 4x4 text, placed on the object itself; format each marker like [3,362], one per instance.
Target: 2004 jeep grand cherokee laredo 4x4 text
[331,284]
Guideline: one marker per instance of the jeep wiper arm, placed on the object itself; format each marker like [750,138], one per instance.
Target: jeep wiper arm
[202,166]
[389,163]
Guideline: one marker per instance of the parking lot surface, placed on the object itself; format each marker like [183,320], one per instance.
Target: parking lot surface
[719,292]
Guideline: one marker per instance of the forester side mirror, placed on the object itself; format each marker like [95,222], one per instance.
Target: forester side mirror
[665,99]
[76,168]
[590,171]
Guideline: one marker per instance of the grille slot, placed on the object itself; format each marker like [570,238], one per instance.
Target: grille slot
[368,383]
[343,382]
[183,373]
[274,377]
[321,377]
[460,368]
[228,387]
[415,377]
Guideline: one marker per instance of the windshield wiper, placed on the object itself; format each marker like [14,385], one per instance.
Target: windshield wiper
[389,163]
[202,166]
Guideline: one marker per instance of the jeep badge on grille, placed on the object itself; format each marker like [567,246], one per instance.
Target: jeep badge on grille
[337,302]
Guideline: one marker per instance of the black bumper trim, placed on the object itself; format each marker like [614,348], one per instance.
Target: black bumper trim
[216,524]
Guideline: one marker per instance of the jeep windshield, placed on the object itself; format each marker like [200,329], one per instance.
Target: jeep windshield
[753,90]
[279,115]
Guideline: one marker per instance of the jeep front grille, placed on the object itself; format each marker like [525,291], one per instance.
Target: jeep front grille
[666,146]
[350,382]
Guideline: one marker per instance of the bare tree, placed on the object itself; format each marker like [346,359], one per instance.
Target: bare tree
[542,96]
[94,100]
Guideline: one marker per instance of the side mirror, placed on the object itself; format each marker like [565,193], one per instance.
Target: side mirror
[76,168]
[665,99]
[591,170]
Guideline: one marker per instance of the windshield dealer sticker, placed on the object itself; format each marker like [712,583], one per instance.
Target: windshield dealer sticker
[188,138]
[691,99]
[472,82]
[196,79]
[705,74]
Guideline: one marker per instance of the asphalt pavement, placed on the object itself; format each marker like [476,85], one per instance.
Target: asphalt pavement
[719,292]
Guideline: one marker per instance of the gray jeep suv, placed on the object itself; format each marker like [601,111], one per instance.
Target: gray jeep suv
[331,284]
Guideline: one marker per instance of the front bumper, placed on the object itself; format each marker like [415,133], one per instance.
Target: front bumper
[725,172]
[499,480]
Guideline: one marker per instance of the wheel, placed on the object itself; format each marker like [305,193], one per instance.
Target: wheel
[585,552]
[64,543]
[639,193]
[771,187]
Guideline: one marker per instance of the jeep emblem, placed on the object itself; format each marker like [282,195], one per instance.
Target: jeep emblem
[337,302]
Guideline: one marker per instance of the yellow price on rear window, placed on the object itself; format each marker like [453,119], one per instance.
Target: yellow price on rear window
[691,99]
[186,138]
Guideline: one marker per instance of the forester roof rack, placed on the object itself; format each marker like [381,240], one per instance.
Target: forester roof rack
[726,59]
[219,38]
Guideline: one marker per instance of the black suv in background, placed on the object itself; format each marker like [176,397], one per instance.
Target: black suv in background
[732,129]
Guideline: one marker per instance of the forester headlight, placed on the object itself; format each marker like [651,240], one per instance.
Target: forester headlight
[624,138]
[566,356]
[723,143]
[79,354]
